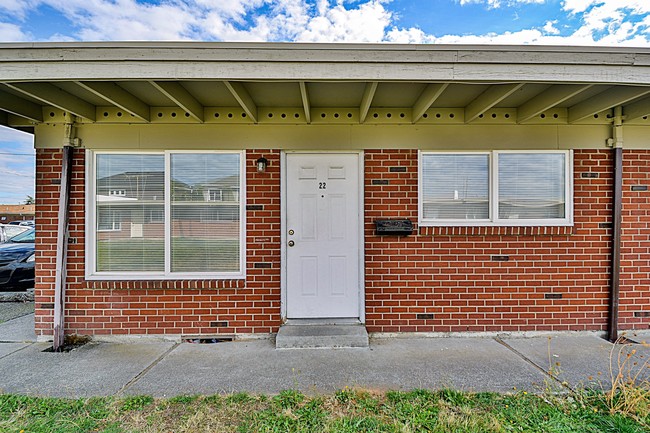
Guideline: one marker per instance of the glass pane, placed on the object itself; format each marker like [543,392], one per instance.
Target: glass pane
[455,187]
[205,212]
[128,189]
[532,185]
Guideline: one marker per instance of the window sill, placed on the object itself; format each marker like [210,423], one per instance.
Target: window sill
[495,230]
[168,277]
[178,284]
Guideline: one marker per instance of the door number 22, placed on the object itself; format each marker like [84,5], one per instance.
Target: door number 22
[322,185]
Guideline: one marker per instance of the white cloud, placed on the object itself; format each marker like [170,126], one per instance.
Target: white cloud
[12,33]
[127,19]
[608,22]
[16,165]
[604,22]
[493,4]
[366,23]
[550,28]
[18,8]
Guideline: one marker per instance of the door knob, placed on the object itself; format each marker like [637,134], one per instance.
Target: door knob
[291,243]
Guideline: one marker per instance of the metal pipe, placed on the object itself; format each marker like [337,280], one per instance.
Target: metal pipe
[62,236]
[614,292]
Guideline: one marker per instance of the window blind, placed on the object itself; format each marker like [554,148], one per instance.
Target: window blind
[128,188]
[532,185]
[455,187]
[205,209]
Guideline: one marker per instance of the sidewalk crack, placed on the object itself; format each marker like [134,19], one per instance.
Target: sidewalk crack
[138,376]
[531,362]
[28,344]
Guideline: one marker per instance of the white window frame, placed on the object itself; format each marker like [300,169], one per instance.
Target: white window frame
[493,195]
[91,223]
[210,193]
[116,226]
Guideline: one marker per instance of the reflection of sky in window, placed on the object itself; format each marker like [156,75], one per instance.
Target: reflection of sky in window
[198,168]
[455,177]
[537,176]
[189,168]
[112,164]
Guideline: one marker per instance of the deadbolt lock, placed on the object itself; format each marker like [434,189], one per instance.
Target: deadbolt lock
[291,232]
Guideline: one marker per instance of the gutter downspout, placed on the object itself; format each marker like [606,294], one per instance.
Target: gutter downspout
[614,293]
[62,233]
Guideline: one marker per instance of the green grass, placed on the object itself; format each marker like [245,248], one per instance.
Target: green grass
[187,255]
[347,410]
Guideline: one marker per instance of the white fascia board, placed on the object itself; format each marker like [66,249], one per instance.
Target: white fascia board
[305,62]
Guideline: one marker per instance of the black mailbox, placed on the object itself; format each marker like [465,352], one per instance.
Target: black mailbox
[393,227]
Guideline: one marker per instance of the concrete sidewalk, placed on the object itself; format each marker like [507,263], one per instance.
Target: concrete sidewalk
[167,369]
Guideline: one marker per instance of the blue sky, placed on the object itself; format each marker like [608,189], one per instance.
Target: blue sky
[539,22]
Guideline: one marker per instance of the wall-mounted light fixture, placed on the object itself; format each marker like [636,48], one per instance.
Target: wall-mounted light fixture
[261,164]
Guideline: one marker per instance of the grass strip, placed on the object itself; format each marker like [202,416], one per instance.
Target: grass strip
[348,410]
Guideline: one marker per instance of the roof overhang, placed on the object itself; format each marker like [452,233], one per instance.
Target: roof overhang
[319,83]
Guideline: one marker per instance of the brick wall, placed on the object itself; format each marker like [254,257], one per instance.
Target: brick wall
[448,280]
[437,280]
[635,250]
[154,307]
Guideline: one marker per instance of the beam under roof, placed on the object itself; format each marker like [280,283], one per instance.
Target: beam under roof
[605,100]
[49,94]
[637,110]
[366,101]
[305,101]
[181,97]
[426,99]
[488,99]
[548,99]
[117,96]
[243,98]
[20,107]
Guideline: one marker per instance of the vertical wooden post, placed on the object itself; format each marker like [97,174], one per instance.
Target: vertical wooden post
[62,249]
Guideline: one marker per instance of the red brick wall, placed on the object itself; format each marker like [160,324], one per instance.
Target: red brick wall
[154,307]
[450,272]
[635,250]
[447,272]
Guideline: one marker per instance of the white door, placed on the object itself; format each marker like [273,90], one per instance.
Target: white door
[322,212]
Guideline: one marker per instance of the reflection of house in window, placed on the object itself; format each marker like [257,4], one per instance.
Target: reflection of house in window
[128,201]
[140,185]
[215,195]
[224,189]
[155,215]
[109,220]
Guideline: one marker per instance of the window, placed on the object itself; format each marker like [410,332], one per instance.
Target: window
[108,219]
[215,195]
[517,188]
[153,215]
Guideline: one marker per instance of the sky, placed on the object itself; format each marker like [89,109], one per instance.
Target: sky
[538,22]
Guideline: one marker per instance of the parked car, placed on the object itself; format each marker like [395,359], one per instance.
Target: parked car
[28,223]
[9,231]
[17,261]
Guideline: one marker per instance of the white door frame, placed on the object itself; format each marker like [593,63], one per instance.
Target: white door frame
[283,229]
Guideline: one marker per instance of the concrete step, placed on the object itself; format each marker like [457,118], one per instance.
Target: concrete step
[321,335]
